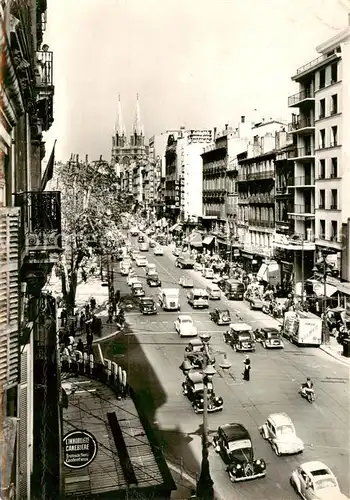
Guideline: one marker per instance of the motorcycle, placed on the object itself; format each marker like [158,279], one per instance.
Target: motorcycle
[266,308]
[308,394]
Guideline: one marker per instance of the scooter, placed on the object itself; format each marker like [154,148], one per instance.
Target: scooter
[266,308]
[308,394]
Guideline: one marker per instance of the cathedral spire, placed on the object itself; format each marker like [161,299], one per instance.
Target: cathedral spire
[138,128]
[119,126]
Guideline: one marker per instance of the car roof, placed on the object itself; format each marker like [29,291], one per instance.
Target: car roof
[195,342]
[241,327]
[195,377]
[184,316]
[309,467]
[280,419]
[222,310]
[270,330]
[234,431]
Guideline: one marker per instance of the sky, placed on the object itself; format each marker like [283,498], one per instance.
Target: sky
[194,63]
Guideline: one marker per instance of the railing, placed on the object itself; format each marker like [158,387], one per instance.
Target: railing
[301,96]
[243,200]
[261,223]
[334,206]
[261,198]
[40,221]
[213,213]
[313,63]
[333,144]
[303,180]
[267,174]
[284,190]
[301,123]
[303,209]
[300,152]
[321,206]
[44,69]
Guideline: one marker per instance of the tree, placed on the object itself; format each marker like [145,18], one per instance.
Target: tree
[91,208]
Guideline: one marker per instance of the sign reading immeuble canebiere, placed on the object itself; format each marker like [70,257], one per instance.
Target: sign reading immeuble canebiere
[200,136]
[79,448]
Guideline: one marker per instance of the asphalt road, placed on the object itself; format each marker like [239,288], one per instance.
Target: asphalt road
[152,352]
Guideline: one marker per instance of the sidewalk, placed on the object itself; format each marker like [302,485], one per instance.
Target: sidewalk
[335,350]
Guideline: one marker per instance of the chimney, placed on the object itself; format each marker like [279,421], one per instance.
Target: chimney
[214,133]
[86,159]
[226,126]
[242,119]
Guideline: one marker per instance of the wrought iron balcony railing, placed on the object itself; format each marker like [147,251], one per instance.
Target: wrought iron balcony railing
[300,96]
[301,123]
[303,209]
[44,69]
[40,222]
[261,223]
[302,152]
[303,180]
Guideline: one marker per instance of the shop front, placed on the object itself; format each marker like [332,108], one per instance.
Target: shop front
[251,261]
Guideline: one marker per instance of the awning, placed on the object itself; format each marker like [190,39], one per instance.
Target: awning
[175,227]
[208,240]
[195,239]
[319,289]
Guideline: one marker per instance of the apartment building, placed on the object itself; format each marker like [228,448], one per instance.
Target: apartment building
[30,244]
[157,148]
[321,157]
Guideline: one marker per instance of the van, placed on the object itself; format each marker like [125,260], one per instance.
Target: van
[214,292]
[234,290]
[169,299]
[198,298]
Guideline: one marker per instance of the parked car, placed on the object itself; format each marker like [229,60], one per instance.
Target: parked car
[124,270]
[137,289]
[280,432]
[270,338]
[186,282]
[140,239]
[315,481]
[141,261]
[220,316]
[192,353]
[214,291]
[234,289]
[233,443]
[153,279]
[147,306]
[184,326]
[193,388]
[158,250]
[152,244]
[132,279]
[208,273]
[144,246]
[255,302]
[134,231]
[240,336]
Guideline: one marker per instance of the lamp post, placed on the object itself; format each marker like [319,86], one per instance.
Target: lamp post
[205,490]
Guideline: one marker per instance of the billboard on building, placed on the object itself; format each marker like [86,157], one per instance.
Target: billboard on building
[199,136]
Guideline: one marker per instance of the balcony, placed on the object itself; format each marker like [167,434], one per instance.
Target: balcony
[302,211]
[283,226]
[44,87]
[261,223]
[243,200]
[252,176]
[302,181]
[302,126]
[40,235]
[311,66]
[302,154]
[284,191]
[301,97]
[261,198]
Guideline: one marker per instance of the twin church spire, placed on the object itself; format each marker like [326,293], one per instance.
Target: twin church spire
[120,130]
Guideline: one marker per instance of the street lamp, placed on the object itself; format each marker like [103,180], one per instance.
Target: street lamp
[205,490]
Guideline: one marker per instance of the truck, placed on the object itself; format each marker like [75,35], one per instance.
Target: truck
[185,261]
[169,299]
[303,329]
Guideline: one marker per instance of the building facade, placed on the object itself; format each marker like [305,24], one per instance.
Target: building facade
[130,156]
[157,147]
[30,244]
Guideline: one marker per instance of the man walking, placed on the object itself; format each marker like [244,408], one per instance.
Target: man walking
[246,373]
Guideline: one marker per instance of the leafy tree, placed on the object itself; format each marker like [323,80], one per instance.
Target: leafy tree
[91,208]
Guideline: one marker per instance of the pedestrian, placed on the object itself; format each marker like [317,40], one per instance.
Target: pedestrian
[80,346]
[87,311]
[92,303]
[117,296]
[64,317]
[247,367]
[110,314]
[82,321]
[111,292]
[89,339]
[76,316]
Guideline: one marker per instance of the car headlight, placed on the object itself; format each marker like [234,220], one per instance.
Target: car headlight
[239,466]
[258,462]
[202,400]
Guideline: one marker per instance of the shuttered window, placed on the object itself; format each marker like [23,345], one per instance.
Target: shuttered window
[9,292]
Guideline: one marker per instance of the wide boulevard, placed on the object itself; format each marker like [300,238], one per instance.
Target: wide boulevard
[152,351]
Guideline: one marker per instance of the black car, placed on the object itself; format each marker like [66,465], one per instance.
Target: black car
[269,337]
[234,445]
[141,239]
[193,353]
[153,280]
[220,316]
[147,306]
[240,336]
[193,388]
[222,284]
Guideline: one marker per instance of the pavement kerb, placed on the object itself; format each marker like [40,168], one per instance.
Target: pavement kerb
[334,355]
[190,479]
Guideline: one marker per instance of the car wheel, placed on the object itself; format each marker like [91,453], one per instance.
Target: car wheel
[276,450]
[293,485]
[234,347]
[264,345]
[232,476]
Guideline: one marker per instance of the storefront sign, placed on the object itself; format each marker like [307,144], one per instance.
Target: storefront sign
[200,136]
[79,448]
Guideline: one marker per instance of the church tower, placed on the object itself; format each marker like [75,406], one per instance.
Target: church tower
[137,138]
[119,139]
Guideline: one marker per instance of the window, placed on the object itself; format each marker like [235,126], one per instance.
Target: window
[322,173]
[322,78]
[334,73]
[334,230]
[322,229]
[334,106]
[322,198]
[322,109]
[322,138]
[334,168]
[334,199]
[334,141]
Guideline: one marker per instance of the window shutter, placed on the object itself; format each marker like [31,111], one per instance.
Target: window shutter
[24,438]
[9,292]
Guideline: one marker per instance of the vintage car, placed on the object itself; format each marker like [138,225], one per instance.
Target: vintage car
[220,316]
[198,266]
[193,388]
[153,279]
[315,481]
[135,254]
[240,336]
[124,269]
[222,283]
[132,279]
[141,261]
[147,306]
[158,251]
[151,268]
[186,282]
[255,301]
[194,348]
[137,289]
[152,244]
[176,251]
[140,239]
[234,445]
[208,273]
[143,247]
[184,326]
[280,432]
[270,338]
[134,231]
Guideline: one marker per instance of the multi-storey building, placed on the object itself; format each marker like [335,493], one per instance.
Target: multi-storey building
[157,147]
[130,157]
[322,207]
[30,243]
[172,191]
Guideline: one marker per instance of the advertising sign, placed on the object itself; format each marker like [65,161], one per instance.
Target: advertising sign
[79,449]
